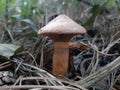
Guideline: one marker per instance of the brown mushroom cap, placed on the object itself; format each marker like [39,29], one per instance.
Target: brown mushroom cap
[62,24]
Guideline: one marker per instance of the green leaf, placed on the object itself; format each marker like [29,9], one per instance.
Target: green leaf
[16,16]
[95,8]
[32,34]
[28,21]
[8,50]
[21,48]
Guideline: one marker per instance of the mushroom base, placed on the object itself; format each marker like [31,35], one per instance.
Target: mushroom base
[60,58]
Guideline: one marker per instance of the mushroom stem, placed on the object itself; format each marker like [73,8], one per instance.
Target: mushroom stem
[60,58]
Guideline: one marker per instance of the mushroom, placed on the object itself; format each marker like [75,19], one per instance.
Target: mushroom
[61,29]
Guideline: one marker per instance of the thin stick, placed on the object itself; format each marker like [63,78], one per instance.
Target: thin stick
[38,86]
[118,77]
[9,33]
[5,64]
[91,46]
[17,80]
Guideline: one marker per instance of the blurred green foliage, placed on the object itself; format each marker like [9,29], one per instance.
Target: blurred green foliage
[3,6]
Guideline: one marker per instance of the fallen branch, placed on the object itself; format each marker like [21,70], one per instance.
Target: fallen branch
[38,86]
[100,74]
